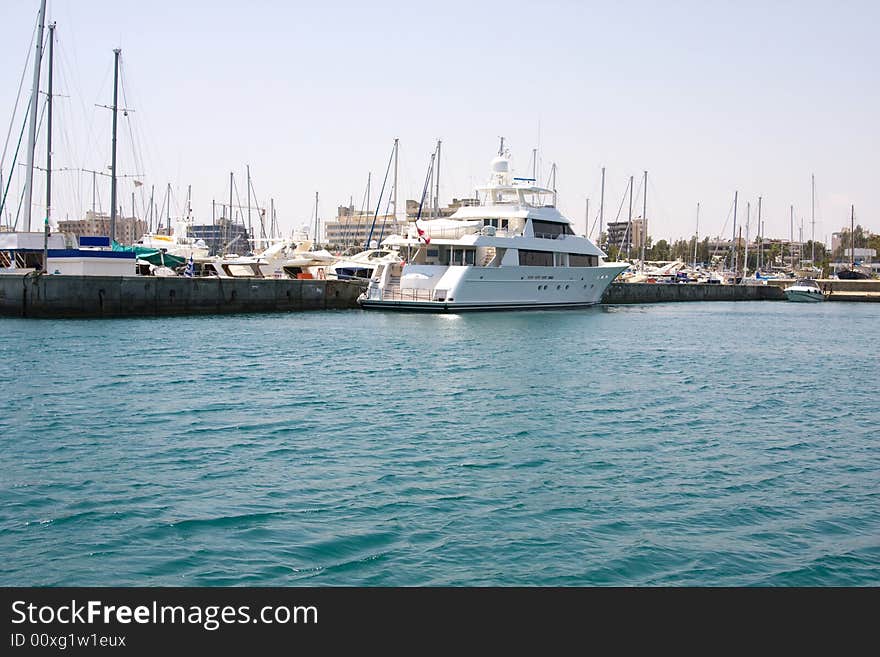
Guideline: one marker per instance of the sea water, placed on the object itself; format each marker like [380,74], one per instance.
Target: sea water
[691,444]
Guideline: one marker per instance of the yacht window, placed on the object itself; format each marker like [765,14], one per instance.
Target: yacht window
[577,260]
[240,270]
[550,230]
[535,258]
[432,253]
[462,256]
[504,223]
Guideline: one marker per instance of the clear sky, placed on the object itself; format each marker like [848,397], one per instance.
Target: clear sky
[708,97]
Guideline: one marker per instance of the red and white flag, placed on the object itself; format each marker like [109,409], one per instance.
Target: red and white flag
[422,235]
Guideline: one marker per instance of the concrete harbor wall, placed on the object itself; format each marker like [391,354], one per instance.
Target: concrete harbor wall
[620,293]
[32,295]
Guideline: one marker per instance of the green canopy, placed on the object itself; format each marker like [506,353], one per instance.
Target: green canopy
[153,256]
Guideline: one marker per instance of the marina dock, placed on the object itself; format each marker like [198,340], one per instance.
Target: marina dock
[29,295]
[622,293]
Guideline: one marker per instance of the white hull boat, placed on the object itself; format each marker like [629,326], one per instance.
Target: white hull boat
[804,291]
[514,251]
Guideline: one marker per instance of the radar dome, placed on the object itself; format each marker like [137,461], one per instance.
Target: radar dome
[500,165]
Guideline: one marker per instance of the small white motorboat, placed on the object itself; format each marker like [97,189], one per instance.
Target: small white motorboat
[805,290]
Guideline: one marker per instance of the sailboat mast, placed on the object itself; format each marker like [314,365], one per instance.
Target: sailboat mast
[153,189]
[250,221]
[644,218]
[746,254]
[629,219]
[113,160]
[315,245]
[272,218]
[733,245]
[32,119]
[852,238]
[813,220]
[761,233]
[602,203]
[791,236]
[228,226]
[697,235]
[801,245]
[437,180]
[48,155]
[49,128]
[587,219]
[396,146]
[736,271]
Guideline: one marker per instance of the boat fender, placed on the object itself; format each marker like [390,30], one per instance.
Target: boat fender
[321,273]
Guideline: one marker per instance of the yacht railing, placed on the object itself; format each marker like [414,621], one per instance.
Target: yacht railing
[402,294]
[453,233]
[551,236]
[457,233]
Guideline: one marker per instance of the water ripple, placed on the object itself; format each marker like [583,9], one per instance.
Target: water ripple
[719,444]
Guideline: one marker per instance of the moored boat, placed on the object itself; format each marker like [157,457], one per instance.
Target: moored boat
[804,290]
[514,250]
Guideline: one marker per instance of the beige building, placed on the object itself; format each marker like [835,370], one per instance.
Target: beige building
[626,236]
[352,228]
[128,229]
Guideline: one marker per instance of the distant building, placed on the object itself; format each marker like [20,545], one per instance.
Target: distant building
[128,229]
[352,228]
[412,208]
[223,236]
[626,236]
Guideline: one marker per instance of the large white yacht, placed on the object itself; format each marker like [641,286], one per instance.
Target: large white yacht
[513,250]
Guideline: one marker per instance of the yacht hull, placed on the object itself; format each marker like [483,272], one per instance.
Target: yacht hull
[442,307]
[458,289]
[804,296]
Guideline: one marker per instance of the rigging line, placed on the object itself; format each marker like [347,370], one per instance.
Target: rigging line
[14,159]
[135,154]
[723,229]
[381,193]
[385,218]
[135,147]
[78,155]
[259,209]
[39,128]
[622,201]
[146,157]
[363,213]
[18,96]
[425,188]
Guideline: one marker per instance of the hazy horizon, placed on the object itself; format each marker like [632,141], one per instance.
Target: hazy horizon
[708,98]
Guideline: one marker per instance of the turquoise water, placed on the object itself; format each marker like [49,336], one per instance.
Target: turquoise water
[671,444]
